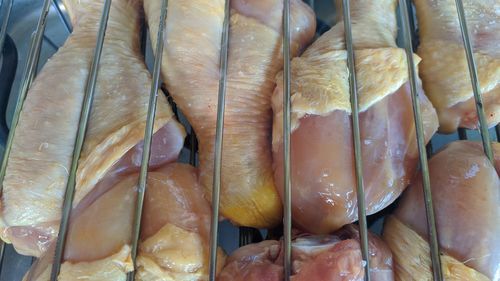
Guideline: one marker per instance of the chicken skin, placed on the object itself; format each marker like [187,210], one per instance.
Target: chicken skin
[191,72]
[444,69]
[322,154]
[334,257]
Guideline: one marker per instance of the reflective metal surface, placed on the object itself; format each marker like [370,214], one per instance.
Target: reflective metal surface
[356,137]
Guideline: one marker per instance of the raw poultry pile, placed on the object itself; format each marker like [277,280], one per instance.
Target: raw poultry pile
[176,220]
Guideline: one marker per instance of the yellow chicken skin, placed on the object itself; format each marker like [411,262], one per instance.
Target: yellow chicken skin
[322,155]
[191,72]
[444,68]
[466,197]
[174,239]
[43,144]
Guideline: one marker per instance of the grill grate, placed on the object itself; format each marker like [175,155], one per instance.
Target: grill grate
[358,163]
[246,234]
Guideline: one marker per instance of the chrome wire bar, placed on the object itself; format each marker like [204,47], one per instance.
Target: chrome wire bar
[80,138]
[5,10]
[358,163]
[219,134]
[471,62]
[27,78]
[59,8]
[429,208]
[148,137]
[287,219]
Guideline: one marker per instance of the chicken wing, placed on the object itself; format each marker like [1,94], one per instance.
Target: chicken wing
[174,235]
[444,69]
[43,144]
[334,257]
[322,156]
[466,198]
[191,71]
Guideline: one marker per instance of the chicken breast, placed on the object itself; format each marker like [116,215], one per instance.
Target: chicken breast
[174,235]
[41,154]
[191,71]
[322,154]
[444,69]
[466,198]
[314,257]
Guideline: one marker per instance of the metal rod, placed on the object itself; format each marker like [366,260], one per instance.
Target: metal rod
[429,208]
[34,52]
[429,149]
[36,44]
[248,235]
[59,7]
[37,59]
[219,134]
[360,191]
[148,137]
[51,42]
[6,8]
[80,138]
[483,124]
[287,219]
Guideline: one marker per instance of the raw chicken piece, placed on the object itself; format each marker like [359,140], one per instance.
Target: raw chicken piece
[191,71]
[175,228]
[174,235]
[444,68]
[38,166]
[314,257]
[466,197]
[322,155]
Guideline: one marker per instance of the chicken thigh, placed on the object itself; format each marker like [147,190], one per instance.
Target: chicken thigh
[43,144]
[174,235]
[191,71]
[334,257]
[444,69]
[466,197]
[322,156]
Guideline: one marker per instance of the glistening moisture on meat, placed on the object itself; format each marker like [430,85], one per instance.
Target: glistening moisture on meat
[323,181]
[39,162]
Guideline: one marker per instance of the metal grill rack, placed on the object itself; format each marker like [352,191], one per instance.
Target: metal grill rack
[246,234]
